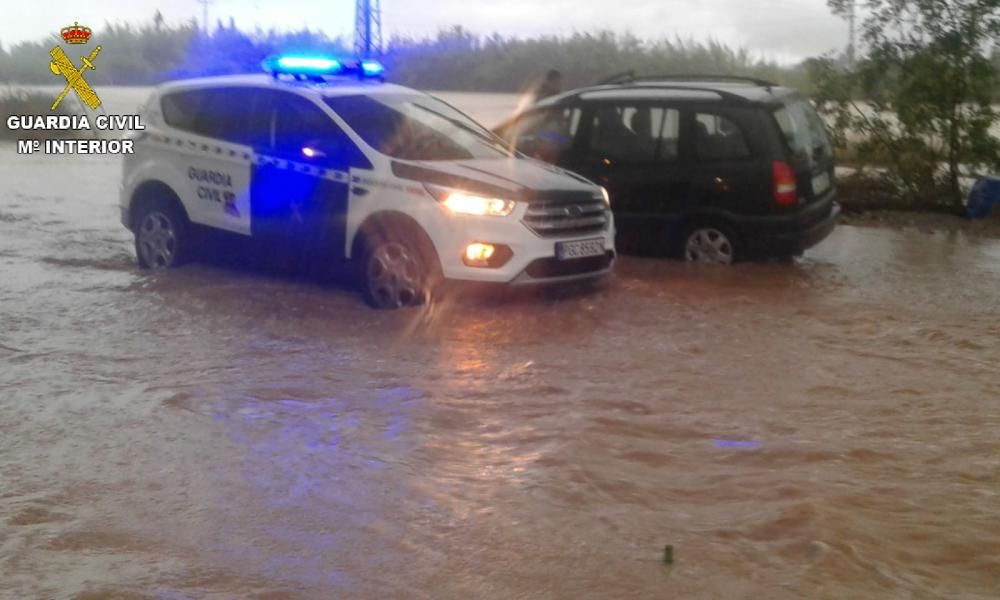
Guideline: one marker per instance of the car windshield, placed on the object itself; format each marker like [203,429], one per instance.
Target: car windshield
[804,130]
[416,127]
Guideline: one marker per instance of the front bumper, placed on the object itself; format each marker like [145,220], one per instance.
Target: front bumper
[533,260]
[553,271]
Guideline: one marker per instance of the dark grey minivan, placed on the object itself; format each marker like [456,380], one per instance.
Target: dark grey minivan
[710,169]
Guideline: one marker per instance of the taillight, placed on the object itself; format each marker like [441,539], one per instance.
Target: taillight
[785,186]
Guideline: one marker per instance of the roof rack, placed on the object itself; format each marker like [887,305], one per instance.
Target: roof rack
[618,78]
[630,77]
[724,94]
[707,77]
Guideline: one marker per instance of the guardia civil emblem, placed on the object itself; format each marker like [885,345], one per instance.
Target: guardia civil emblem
[62,65]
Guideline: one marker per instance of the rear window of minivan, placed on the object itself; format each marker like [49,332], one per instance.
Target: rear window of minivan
[803,129]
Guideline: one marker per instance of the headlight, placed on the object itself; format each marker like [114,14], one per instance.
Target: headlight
[468,204]
[465,203]
[606,196]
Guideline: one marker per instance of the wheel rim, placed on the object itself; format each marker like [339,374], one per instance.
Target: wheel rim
[394,276]
[157,240]
[708,245]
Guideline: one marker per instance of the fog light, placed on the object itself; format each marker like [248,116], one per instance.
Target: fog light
[479,253]
[489,256]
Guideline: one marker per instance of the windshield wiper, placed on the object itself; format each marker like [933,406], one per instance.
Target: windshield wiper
[483,135]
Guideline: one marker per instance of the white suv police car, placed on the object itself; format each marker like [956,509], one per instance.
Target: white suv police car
[322,155]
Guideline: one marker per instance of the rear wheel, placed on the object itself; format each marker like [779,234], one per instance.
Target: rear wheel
[161,235]
[711,243]
[396,273]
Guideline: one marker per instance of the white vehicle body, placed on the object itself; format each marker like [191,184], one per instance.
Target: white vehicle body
[252,172]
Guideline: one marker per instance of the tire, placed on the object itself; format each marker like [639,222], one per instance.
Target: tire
[397,271]
[162,235]
[710,242]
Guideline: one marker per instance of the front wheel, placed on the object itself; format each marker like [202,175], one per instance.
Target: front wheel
[711,243]
[161,240]
[396,273]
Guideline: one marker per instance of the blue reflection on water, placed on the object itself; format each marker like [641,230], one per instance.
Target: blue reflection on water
[736,443]
[325,470]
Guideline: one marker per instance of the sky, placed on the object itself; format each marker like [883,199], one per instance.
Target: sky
[781,30]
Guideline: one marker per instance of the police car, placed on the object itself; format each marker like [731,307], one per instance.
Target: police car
[321,154]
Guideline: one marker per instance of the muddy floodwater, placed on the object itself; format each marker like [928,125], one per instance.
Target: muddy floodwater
[823,429]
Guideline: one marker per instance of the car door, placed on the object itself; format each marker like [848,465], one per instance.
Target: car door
[730,174]
[299,187]
[633,148]
[215,160]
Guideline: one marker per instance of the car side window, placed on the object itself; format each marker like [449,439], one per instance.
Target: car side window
[180,109]
[298,124]
[635,133]
[546,134]
[228,113]
[719,138]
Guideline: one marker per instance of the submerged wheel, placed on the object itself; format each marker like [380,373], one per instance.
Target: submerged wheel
[396,273]
[710,243]
[161,240]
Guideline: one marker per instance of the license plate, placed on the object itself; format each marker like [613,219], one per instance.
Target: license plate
[821,183]
[579,249]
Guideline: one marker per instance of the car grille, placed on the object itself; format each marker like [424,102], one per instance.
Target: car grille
[561,214]
[545,268]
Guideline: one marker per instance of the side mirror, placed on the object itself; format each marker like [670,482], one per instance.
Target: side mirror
[322,152]
[312,152]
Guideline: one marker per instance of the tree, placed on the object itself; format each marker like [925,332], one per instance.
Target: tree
[927,79]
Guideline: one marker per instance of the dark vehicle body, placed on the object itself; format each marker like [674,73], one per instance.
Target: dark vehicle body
[743,160]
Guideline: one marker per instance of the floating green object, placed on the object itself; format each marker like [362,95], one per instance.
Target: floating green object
[668,554]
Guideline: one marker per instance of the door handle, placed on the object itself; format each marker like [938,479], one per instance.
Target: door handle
[359,191]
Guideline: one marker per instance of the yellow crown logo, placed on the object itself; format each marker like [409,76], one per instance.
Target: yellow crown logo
[75,34]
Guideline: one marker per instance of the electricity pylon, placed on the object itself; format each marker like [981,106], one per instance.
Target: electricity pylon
[368,28]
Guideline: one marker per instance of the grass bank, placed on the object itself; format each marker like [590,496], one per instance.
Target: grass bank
[23,102]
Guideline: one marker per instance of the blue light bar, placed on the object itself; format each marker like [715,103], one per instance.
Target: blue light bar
[317,66]
[308,63]
[372,68]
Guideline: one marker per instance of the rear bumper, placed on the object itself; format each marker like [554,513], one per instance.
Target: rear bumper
[792,234]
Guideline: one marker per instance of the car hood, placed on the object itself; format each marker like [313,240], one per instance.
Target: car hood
[522,179]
